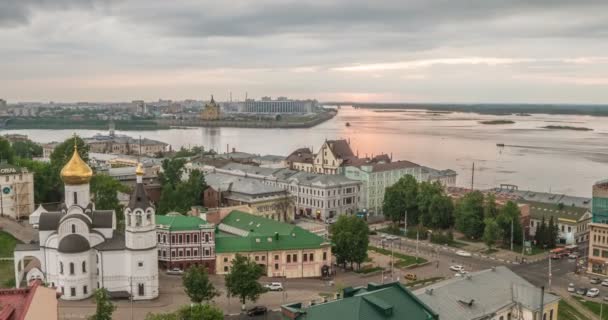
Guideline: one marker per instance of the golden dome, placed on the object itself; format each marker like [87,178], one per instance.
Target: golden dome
[140,170]
[76,171]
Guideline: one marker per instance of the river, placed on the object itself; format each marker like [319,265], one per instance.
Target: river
[533,158]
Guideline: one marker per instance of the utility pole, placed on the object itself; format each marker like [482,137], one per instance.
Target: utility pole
[512,235]
[405,224]
[473,176]
[550,273]
[417,237]
[392,264]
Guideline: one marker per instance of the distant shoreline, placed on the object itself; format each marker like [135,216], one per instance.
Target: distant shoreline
[567,128]
[490,109]
[494,122]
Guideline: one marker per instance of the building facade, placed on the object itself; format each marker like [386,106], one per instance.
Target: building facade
[283,250]
[568,220]
[211,111]
[16,192]
[185,241]
[280,105]
[80,249]
[598,230]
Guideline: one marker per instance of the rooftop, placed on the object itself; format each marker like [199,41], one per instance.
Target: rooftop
[340,148]
[386,301]
[548,210]
[176,222]
[481,294]
[225,182]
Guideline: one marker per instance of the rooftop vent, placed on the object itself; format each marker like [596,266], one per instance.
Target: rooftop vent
[429,291]
[467,303]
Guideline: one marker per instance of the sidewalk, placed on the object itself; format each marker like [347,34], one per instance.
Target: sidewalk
[20,230]
[576,304]
[502,255]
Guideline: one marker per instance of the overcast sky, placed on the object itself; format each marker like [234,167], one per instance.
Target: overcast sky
[409,50]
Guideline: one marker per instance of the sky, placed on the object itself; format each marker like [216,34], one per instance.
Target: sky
[469,51]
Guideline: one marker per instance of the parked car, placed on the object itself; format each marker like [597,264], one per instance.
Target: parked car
[571,287]
[456,267]
[461,273]
[392,238]
[605,283]
[175,271]
[593,292]
[463,253]
[595,280]
[256,311]
[274,286]
[410,276]
[581,291]
[573,256]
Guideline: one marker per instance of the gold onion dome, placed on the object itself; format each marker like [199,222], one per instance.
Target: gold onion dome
[140,170]
[76,171]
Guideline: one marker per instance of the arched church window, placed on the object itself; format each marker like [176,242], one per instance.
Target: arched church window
[71,268]
[60,267]
[84,267]
[73,228]
[138,220]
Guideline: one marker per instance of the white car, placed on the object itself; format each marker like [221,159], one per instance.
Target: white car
[175,272]
[457,267]
[605,283]
[593,292]
[461,273]
[463,253]
[571,288]
[392,238]
[274,286]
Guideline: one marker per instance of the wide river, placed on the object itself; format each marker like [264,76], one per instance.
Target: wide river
[533,158]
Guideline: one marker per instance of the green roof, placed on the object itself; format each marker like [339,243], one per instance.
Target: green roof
[255,233]
[178,222]
[6,168]
[374,302]
[547,210]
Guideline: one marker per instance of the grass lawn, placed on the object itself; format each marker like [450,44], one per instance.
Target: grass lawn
[403,259]
[568,312]
[368,270]
[595,308]
[413,283]
[7,271]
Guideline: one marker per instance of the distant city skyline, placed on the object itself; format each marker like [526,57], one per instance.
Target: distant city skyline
[334,50]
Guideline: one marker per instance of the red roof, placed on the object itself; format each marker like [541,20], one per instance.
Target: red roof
[15,302]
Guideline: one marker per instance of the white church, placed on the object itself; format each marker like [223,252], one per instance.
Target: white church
[80,249]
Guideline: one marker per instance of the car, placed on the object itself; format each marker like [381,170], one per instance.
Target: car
[274,286]
[571,287]
[331,220]
[593,292]
[573,256]
[581,291]
[410,276]
[595,280]
[392,238]
[175,271]
[257,311]
[605,283]
[463,253]
[461,273]
[456,267]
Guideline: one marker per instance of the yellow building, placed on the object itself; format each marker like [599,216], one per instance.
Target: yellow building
[211,111]
[282,249]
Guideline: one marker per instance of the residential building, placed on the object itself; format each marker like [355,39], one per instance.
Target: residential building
[211,111]
[568,219]
[316,195]
[331,156]
[16,191]
[80,249]
[373,302]
[262,199]
[282,249]
[496,293]
[121,144]
[600,202]
[15,137]
[184,241]
[510,190]
[139,107]
[280,105]
[48,148]
[598,230]
[32,303]
[301,159]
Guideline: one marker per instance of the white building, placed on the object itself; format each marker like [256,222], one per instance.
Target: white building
[16,191]
[80,250]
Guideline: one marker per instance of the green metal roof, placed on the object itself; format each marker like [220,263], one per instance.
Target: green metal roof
[374,302]
[178,222]
[262,234]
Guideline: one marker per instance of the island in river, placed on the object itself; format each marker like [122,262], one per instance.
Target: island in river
[497,122]
[567,128]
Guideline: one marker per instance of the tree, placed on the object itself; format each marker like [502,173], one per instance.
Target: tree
[46,182]
[490,210]
[441,212]
[350,235]
[6,151]
[63,152]
[190,312]
[401,198]
[172,171]
[180,195]
[507,215]
[27,149]
[469,215]
[197,285]
[552,233]
[540,235]
[104,190]
[105,308]
[491,232]
[242,280]
[426,192]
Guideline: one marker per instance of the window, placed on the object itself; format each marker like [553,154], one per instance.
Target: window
[551,314]
[179,238]
[75,197]
[164,238]
[206,237]
[207,252]
[173,239]
[140,264]
[140,289]
[295,258]
[158,238]
[311,257]
[305,257]
[257,258]
[187,238]
[181,253]
[225,268]
[73,228]
[84,267]
[324,256]
[225,259]
[72,292]
[195,238]
[263,258]
[288,258]
[173,253]
[71,268]
[62,291]
[276,266]
[61,268]
[187,253]
[85,290]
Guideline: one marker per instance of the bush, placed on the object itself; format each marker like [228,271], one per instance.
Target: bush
[442,237]
[422,233]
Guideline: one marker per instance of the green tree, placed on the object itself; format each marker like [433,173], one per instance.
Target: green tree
[182,195]
[508,214]
[541,233]
[172,171]
[426,192]
[401,198]
[469,215]
[350,236]
[6,151]
[552,233]
[441,212]
[105,308]
[242,280]
[46,182]
[490,210]
[190,312]
[491,232]
[169,200]
[104,190]
[27,149]
[63,152]
[197,285]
